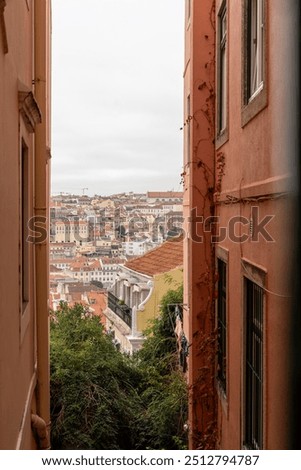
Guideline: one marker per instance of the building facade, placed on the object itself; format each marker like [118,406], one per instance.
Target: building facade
[238,184]
[134,299]
[24,203]
[70,231]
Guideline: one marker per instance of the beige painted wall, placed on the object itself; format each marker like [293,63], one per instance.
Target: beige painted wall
[162,283]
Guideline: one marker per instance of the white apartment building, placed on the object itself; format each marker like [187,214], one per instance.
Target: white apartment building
[70,231]
[88,270]
[135,248]
[128,295]
[62,250]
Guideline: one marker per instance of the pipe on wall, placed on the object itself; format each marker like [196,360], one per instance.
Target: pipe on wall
[40,426]
[41,204]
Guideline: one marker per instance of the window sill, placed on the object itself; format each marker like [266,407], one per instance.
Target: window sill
[256,104]
[25,320]
[222,397]
[221,138]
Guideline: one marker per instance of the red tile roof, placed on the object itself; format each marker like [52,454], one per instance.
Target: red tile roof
[54,269]
[164,194]
[159,260]
[98,302]
[107,260]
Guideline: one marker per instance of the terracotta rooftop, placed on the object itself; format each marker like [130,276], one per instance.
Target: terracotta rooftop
[57,245]
[54,269]
[75,296]
[58,276]
[62,260]
[82,288]
[159,260]
[98,302]
[107,260]
[164,194]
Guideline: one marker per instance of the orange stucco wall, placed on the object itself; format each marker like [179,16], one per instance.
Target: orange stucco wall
[257,172]
[256,165]
[199,78]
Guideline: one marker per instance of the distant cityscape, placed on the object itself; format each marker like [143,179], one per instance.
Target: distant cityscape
[92,239]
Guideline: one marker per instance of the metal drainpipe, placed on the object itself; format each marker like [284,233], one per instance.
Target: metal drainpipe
[41,18]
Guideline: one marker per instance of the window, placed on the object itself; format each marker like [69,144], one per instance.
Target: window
[254,57]
[24,204]
[255,47]
[188,119]
[253,415]
[222,70]
[222,323]
[188,9]
[3,27]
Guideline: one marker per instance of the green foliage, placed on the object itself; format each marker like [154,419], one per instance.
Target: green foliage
[92,394]
[102,399]
[164,390]
[160,347]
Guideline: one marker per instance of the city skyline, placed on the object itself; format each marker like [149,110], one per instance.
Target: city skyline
[116,117]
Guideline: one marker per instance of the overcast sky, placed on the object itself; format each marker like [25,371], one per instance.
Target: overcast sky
[117,89]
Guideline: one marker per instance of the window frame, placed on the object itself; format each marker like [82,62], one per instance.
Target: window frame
[253,100]
[255,48]
[222,78]
[222,254]
[188,129]
[25,247]
[24,218]
[188,11]
[221,321]
[257,277]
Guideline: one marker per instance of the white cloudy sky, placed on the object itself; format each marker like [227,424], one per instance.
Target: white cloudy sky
[117,95]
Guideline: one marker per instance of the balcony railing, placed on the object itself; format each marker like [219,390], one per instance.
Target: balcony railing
[122,310]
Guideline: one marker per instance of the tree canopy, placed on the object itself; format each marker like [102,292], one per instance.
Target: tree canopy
[103,399]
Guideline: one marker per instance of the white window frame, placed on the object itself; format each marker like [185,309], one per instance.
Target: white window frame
[254,59]
[256,47]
